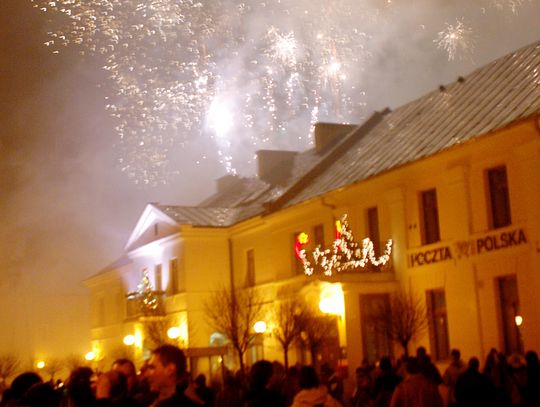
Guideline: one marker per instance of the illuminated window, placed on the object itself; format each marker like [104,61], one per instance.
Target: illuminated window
[318,234]
[159,277]
[430,217]
[438,324]
[499,200]
[250,268]
[173,276]
[372,217]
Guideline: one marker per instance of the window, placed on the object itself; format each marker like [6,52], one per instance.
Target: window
[318,236]
[158,277]
[509,309]
[499,200]
[298,267]
[173,276]
[438,324]
[372,217]
[430,217]
[250,268]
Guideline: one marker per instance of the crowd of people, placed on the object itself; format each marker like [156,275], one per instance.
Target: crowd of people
[413,381]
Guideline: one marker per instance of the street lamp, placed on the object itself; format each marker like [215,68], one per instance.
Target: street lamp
[173,332]
[90,356]
[129,340]
[259,327]
[40,364]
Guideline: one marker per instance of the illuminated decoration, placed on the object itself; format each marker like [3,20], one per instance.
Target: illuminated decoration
[129,340]
[40,364]
[147,299]
[259,327]
[90,356]
[331,300]
[519,320]
[344,255]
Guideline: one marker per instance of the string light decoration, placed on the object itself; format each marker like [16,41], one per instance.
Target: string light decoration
[146,296]
[345,253]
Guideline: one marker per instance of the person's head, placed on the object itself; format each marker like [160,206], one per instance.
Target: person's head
[22,383]
[79,385]
[455,354]
[308,377]
[474,364]
[412,366]
[127,368]
[421,352]
[200,380]
[166,367]
[385,364]
[260,374]
[41,395]
[531,357]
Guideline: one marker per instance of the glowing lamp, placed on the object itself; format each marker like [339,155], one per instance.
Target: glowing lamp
[173,332]
[129,340]
[40,364]
[90,356]
[259,327]
[331,300]
[518,319]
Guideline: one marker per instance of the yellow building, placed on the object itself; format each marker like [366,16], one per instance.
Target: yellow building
[452,179]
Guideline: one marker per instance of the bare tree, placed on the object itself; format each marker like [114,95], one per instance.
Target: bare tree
[232,312]
[73,361]
[289,319]
[317,330]
[402,319]
[8,366]
[155,331]
[53,366]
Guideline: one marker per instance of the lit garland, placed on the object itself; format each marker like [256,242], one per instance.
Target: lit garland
[147,295]
[345,253]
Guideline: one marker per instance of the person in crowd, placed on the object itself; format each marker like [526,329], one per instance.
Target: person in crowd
[532,387]
[312,393]
[416,389]
[333,382]
[517,375]
[20,385]
[229,395]
[79,391]
[258,394]
[474,388]
[112,390]
[205,393]
[451,374]
[41,395]
[127,368]
[291,385]
[427,367]
[385,383]
[276,383]
[362,391]
[166,375]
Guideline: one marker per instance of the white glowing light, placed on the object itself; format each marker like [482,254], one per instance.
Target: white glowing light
[219,117]
[331,299]
[129,340]
[174,332]
[90,356]
[518,319]
[259,327]
[40,364]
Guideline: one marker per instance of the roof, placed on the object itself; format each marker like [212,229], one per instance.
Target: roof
[490,98]
[504,91]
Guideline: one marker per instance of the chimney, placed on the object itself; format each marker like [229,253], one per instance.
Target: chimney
[326,134]
[275,166]
[226,182]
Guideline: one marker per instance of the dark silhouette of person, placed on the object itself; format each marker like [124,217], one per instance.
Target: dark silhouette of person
[20,385]
[230,393]
[385,383]
[258,394]
[427,367]
[205,393]
[451,374]
[532,387]
[79,392]
[474,388]
[416,389]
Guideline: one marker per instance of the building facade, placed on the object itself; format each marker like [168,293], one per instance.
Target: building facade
[451,179]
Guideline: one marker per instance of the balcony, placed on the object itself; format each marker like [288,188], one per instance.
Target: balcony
[148,304]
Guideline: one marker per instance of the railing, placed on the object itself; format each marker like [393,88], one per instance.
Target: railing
[150,303]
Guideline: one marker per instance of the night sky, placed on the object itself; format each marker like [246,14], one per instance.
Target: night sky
[67,209]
